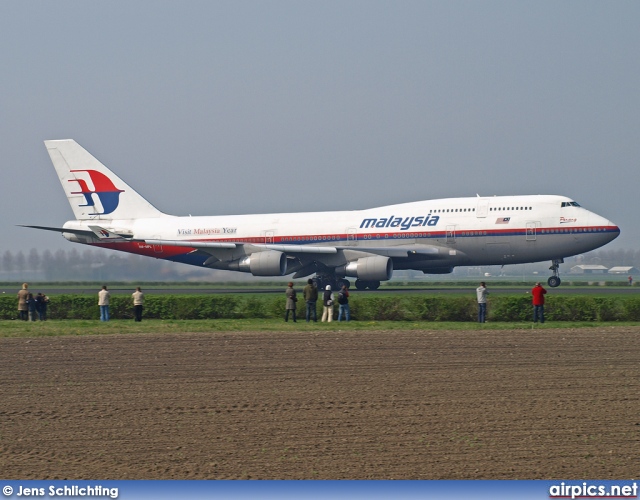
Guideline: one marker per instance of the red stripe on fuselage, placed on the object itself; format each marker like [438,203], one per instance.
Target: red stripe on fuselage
[168,251]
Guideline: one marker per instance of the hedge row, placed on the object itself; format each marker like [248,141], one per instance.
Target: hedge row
[363,308]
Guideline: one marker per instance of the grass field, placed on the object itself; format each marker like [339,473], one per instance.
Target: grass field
[54,328]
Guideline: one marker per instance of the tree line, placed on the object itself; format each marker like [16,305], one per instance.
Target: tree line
[91,265]
[102,265]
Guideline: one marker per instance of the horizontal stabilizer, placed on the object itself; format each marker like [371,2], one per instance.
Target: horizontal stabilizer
[79,232]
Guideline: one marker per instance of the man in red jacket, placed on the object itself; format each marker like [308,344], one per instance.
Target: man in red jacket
[537,292]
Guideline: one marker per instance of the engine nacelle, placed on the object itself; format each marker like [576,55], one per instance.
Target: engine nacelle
[376,268]
[269,263]
[438,270]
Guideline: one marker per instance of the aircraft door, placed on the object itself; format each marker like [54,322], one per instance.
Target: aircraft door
[352,236]
[268,237]
[451,234]
[482,209]
[531,231]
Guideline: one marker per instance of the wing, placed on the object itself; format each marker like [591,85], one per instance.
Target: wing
[304,260]
[302,250]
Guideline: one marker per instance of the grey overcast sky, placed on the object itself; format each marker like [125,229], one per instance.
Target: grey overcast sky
[223,107]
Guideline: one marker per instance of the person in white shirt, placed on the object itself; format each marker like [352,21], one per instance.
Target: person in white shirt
[482,293]
[138,301]
[103,302]
[327,302]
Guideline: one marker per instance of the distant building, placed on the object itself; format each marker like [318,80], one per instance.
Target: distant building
[588,269]
[628,270]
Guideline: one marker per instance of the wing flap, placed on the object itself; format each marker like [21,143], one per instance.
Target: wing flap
[288,249]
[192,244]
[398,251]
[294,249]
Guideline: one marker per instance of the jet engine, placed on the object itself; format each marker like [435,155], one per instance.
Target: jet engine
[269,263]
[377,268]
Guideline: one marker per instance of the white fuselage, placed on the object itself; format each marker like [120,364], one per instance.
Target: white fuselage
[457,231]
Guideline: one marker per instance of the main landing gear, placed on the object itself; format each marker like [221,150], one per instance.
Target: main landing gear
[363,285]
[324,279]
[555,280]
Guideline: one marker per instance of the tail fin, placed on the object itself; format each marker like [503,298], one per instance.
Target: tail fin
[94,191]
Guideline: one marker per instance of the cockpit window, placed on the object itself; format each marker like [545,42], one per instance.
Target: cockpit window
[570,204]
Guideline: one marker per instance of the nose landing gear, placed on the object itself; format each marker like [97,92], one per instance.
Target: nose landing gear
[555,280]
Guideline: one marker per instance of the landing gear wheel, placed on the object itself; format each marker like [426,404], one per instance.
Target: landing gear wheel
[322,280]
[554,281]
[318,282]
[374,285]
[361,285]
[343,282]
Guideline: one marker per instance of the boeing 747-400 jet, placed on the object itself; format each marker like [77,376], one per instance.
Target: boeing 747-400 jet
[432,236]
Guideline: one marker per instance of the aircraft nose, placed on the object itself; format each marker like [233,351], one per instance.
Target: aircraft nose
[610,230]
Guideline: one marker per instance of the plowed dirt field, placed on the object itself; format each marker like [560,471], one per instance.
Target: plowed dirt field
[550,404]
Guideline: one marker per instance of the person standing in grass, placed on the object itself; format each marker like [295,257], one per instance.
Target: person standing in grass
[23,310]
[310,293]
[42,301]
[482,293]
[537,294]
[327,301]
[138,301]
[103,302]
[31,307]
[292,299]
[343,301]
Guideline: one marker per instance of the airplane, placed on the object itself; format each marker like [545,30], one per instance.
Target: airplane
[432,236]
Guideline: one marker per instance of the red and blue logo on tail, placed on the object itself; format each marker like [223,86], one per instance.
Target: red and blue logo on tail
[107,193]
